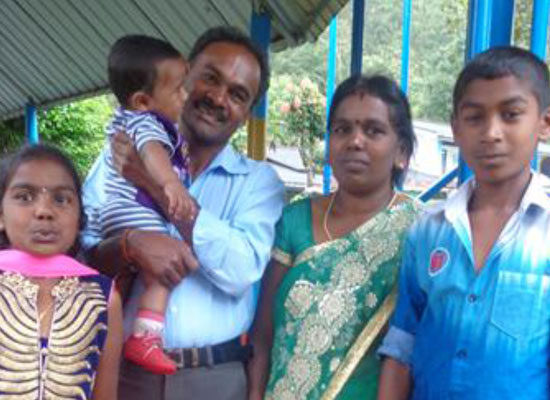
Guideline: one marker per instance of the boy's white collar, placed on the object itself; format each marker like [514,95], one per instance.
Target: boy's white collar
[457,203]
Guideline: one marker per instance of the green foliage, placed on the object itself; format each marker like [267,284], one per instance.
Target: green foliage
[11,136]
[297,115]
[77,128]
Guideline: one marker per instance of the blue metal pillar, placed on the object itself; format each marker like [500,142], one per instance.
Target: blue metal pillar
[331,78]
[539,27]
[539,36]
[440,184]
[503,15]
[407,11]
[357,36]
[31,124]
[479,27]
[260,31]
[478,40]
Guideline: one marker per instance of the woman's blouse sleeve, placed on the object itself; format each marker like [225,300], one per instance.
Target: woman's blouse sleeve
[282,249]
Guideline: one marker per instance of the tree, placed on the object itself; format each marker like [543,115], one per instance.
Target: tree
[77,128]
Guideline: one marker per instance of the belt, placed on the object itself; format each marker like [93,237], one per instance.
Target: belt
[208,356]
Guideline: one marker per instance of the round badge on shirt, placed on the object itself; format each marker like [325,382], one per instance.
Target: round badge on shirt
[439,259]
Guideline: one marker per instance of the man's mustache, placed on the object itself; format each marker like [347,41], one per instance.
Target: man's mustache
[207,105]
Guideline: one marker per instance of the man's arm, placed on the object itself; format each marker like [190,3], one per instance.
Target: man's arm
[166,258]
[233,253]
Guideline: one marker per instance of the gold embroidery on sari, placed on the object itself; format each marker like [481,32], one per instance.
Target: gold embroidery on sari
[319,311]
[300,298]
[303,374]
[281,257]
[360,347]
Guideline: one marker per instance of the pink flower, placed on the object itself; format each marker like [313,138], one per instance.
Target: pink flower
[305,83]
[289,87]
[296,103]
[285,107]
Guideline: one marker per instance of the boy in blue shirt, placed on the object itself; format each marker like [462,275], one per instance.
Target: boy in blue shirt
[473,314]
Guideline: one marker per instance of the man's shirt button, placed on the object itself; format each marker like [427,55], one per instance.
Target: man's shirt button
[462,353]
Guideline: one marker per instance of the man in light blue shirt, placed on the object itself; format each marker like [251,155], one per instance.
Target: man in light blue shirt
[472,319]
[239,202]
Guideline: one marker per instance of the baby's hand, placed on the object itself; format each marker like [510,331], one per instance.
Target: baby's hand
[180,204]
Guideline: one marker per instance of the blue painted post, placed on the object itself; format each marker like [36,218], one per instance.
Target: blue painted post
[503,15]
[440,184]
[480,27]
[539,35]
[539,27]
[31,124]
[331,78]
[407,11]
[478,40]
[260,31]
[357,36]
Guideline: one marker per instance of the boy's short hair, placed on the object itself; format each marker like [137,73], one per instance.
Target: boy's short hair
[132,64]
[230,34]
[500,62]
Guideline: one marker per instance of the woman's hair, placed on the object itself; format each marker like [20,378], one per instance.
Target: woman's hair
[10,164]
[386,90]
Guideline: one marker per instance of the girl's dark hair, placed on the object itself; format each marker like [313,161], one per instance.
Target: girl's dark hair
[385,89]
[10,164]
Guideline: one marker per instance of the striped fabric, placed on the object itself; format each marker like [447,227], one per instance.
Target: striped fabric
[122,210]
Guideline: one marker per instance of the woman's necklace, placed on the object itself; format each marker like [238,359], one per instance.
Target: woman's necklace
[329,209]
[325,217]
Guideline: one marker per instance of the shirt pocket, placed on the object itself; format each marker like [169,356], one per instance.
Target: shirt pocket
[521,306]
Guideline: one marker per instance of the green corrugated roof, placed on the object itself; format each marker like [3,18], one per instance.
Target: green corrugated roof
[55,50]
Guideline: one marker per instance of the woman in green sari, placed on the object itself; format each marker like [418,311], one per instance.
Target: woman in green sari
[326,294]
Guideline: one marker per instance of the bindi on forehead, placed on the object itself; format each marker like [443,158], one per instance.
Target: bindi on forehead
[41,189]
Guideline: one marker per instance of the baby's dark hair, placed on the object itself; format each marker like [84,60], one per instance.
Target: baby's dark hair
[388,91]
[500,62]
[132,64]
[230,34]
[10,164]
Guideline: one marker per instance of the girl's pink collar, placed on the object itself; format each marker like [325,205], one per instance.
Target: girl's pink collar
[42,267]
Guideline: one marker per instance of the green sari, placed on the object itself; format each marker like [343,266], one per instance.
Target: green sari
[327,297]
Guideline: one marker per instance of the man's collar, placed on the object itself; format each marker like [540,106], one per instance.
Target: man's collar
[230,161]
[457,203]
